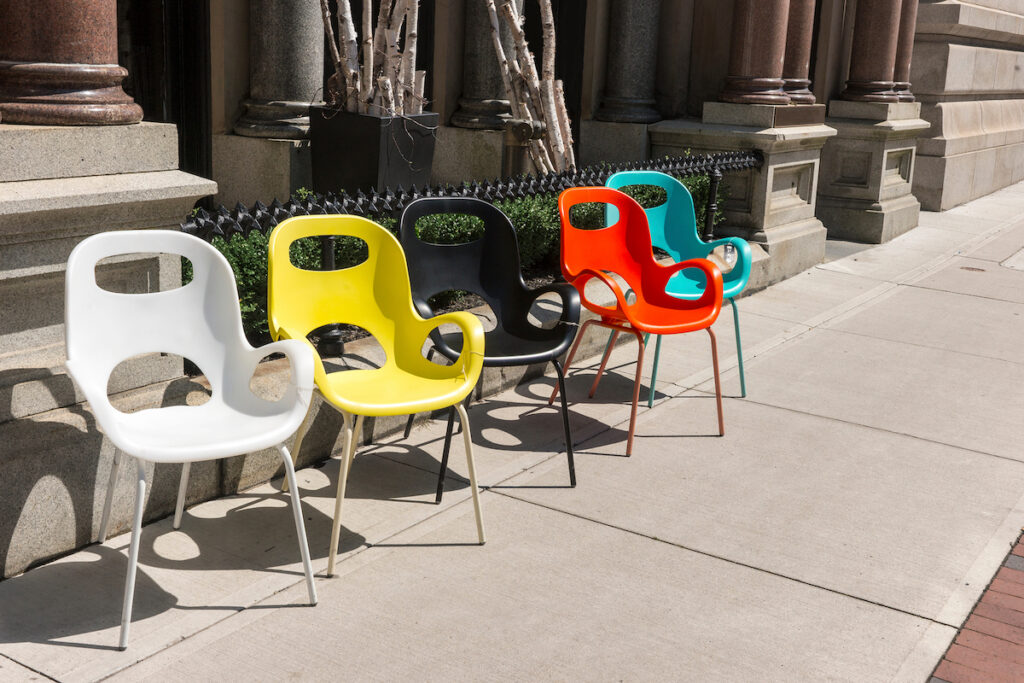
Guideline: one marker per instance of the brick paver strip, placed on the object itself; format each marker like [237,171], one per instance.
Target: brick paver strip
[1010,634]
[1007,574]
[990,644]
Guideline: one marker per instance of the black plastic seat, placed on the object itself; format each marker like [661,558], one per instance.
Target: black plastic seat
[488,267]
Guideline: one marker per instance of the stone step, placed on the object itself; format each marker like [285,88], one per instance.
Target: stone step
[47,152]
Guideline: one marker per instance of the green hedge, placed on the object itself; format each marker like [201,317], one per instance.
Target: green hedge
[535,219]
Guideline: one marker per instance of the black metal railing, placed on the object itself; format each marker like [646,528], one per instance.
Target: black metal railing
[243,220]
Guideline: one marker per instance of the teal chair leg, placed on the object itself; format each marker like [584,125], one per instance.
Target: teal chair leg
[739,348]
[654,370]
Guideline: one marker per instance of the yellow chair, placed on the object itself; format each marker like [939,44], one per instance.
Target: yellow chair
[374,295]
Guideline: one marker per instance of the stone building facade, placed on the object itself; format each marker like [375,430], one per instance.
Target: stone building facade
[864,110]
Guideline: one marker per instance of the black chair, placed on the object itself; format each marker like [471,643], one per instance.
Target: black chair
[488,267]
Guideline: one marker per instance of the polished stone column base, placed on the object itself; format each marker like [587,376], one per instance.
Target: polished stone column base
[281,120]
[867,171]
[743,90]
[773,206]
[65,94]
[870,91]
[798,90]
[902,91]
[482,114]
[627,110]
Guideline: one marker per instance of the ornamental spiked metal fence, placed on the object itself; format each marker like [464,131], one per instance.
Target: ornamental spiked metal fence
[242,220]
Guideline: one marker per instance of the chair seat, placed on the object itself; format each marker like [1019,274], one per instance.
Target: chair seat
[504,349]
[390,390]
[690,284]
[643,311]
[213,430]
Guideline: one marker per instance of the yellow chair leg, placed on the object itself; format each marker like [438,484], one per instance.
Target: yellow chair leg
[464,419]
[346,464]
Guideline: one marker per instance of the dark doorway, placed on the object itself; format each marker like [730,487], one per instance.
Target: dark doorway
[165,45]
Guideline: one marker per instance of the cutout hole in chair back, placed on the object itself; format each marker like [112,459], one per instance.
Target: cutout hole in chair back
[367,354]
[647,196]
[449,228]
[140,273]
[545,311]
[193,390]
[592,215]
[307,253]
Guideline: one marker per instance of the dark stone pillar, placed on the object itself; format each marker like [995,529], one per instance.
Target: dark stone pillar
[286,63]
[632,62]
[757,53]
[873,55]
[483,104]
[58,64]
[904,48]
[799,35]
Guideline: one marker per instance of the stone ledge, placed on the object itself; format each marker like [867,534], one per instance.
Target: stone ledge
[47,152]
[971,21]
[740,137]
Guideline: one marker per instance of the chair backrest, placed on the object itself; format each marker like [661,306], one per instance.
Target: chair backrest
[373,294]
[488,266]
[624,247]
[200,321]
[673,224]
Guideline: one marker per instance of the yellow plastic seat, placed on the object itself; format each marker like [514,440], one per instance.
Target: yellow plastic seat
[374,295]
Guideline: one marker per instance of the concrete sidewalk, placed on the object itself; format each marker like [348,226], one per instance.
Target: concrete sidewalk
[866,491]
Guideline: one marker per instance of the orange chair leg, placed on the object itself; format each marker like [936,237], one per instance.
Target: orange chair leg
[718,383]
[636,391]
[604,362]
[568,360]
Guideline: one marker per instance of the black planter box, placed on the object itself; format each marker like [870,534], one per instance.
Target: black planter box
[364,151]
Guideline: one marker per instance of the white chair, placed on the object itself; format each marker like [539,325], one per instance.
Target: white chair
[199,321]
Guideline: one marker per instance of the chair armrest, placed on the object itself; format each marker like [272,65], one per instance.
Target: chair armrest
[744,260]
[291,338]
[712,295]
[471,360]
[298,356]
[580,282]
[569,295]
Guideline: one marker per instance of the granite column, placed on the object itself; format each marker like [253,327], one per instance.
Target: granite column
[873,55]
[799,36]
[286,63]
[758,52]
[483,104]
[58,64]
[632,62]
[904,49]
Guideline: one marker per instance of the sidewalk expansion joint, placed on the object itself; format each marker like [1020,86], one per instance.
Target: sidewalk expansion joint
[722,558]
[26,666]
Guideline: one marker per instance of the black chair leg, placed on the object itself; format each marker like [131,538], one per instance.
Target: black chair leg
[565,421]
[444,457]
[408,424]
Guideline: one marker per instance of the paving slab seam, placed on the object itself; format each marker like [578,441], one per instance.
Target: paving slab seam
[722,558]
[929,346]
[26,666]
[859,424]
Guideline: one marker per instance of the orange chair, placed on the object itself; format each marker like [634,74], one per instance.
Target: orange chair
[624,248]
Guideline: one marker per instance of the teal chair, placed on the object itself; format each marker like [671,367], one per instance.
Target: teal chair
[673,228]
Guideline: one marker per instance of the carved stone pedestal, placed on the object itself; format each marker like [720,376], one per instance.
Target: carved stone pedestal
[867,170]
[772,207]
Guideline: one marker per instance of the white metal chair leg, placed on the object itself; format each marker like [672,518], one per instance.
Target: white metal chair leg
[464,419]
[307,422]
[133,554]
[300,527]
[346,464]
[109,499]
[179,507]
